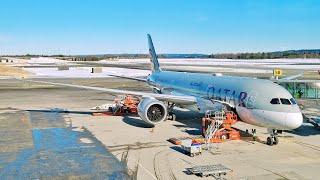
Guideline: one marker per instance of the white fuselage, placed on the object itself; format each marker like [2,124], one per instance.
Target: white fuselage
[250,98]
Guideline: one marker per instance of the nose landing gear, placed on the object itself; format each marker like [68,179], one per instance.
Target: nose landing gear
[273,138]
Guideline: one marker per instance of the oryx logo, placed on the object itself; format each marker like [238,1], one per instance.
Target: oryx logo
[151,54]
[252,99]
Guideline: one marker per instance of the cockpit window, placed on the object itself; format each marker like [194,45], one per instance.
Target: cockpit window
[275,101]
[285,101]
[293,101]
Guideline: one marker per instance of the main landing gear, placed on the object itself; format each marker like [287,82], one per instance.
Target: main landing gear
[171,116]
[273,138]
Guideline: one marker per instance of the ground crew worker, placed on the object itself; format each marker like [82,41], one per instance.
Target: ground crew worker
[300,93]
[254,134]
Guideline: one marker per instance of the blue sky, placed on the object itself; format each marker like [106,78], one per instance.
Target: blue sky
[177,26]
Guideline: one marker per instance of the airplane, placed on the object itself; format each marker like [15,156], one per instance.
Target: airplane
[257,102]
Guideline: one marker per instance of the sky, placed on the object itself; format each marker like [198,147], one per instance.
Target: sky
[177,26]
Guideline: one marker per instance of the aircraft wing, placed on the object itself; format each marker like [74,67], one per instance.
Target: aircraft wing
[292,77]
[127,77]
[178,99]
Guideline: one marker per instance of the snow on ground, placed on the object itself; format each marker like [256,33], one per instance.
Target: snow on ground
[297,67]
[308,64]
[197,60]
[227,69]
[85,72]
[242,66]
[46,60]
[264,63]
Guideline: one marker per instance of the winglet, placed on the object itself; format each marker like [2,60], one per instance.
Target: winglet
[293,77]
[153,56]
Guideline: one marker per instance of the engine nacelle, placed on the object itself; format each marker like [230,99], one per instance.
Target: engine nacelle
[152,111]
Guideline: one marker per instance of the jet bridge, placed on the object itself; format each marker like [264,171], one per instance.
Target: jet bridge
[302,89]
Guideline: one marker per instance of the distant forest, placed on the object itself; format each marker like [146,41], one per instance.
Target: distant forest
[312,53]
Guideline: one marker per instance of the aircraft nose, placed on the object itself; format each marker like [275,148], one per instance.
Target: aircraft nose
[294,120]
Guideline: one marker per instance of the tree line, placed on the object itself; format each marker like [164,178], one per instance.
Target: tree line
[310,53]
[314,53]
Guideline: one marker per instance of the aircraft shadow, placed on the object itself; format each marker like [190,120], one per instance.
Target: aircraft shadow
[136,122]
[193,132]
[305,130]
[59,110]
[178,149]
[189,119]
[103,99]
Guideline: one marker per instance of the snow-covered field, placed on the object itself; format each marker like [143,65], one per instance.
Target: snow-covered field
[85,72]
[308,64]
[312,64]
[214,65]
[46,60]
[226,69]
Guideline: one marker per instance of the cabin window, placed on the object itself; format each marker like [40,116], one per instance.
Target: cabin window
[275,101]
[285,101]
[293,101]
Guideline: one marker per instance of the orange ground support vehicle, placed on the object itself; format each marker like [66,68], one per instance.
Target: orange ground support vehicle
[122,105]
[225,130]
[128,105]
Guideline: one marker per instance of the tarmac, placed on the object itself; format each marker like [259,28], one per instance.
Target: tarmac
[40,140]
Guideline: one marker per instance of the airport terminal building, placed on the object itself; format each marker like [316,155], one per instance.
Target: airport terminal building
[304,89]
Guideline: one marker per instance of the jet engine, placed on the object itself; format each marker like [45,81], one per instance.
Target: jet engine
[152,111]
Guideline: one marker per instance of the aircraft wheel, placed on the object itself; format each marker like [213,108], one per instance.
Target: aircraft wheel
[275,140]
[171,117]
[270,141]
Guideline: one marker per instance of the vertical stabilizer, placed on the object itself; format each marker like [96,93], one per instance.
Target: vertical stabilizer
[153,56]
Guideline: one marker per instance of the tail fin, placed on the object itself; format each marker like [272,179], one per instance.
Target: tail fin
[155,67]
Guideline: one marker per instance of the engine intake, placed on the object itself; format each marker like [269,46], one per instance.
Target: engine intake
[152,111]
